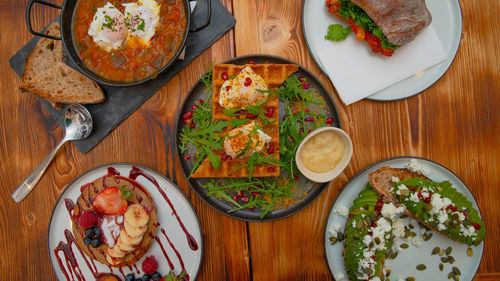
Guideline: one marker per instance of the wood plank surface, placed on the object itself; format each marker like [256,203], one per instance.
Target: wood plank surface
[455,123]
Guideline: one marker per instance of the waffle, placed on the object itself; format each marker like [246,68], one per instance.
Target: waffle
[139,195]
[274,75]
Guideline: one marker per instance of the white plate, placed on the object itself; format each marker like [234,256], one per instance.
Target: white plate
[60,220]
[447,22]
[407,259]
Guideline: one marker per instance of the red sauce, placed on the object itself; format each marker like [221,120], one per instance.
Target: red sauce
[136,61]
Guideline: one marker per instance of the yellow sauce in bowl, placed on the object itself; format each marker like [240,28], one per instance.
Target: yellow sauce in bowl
[322,152]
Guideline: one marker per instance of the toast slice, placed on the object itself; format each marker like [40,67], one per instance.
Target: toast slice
[436,205]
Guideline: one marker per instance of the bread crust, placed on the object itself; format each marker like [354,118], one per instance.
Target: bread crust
[400,20]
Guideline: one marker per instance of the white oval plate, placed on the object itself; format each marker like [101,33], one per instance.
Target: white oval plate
[446,20]
[60,220]
[407,259]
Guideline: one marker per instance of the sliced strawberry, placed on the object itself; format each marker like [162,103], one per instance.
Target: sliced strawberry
[110,202]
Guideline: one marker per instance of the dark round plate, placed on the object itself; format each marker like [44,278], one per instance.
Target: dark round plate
[199,91]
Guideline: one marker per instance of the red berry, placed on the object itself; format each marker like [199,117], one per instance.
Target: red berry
[228,88]
[271,169]
[225,156]
[306,110]
[200,101]
[255,194]
[239,193]
[187,157]
[195,159]
[251,116]
[295,177]
[194,107]
[191,125]
[306,85]
[309,119]
[87,219]
[186,121]
[224,76]
[269,112]
[187,115]
[245,199]
[251,208]
[110,202]
[251,62]
[329,121]
[248,82]
[235,198]
[149,265]
[270,150]
[476,226]
[301,79]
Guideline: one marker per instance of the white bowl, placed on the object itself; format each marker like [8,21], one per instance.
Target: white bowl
[333,173]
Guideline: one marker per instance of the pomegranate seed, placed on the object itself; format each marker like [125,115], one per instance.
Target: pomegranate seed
[239,194]
[188,115]
[224,76]
[271,169]
[245,199]
[307,110]
[270,150]
[191,125]
[200,101]
[295,177]
[309,119]
[195,159]
[248,82]
[251,116]
[294,110]
[306,85]
[255,194]
[250,188]
[251,208]
[476,226]
[228,88]
[235,198]
[225,156]
[251,62]
[329,121]
[301,79]
[194,107]
[309,131]
[187,157]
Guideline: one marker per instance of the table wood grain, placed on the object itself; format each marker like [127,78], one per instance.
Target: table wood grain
[455,123]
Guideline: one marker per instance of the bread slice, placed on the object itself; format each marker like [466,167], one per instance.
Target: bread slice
[47,76]
[381,179]
[60,83]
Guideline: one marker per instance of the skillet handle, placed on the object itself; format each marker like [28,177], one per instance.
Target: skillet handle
[207,22]
[28,18]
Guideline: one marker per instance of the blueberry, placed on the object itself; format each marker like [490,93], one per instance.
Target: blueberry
[156,276]
[97,231]
[89,232]
[130,277]
[96,242]
[146,277]
[87,240]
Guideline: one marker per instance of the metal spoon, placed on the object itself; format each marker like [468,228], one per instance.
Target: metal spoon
[78,123]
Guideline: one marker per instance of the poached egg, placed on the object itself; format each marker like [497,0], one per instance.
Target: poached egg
[142,17]
[108,28]
[243,90]
[238,139]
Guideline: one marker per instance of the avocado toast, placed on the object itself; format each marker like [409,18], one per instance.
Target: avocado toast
[437,205]
[369,235]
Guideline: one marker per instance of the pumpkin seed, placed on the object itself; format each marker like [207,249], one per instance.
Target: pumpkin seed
[441,266]
[448,251]
[455,278]
[377,240]
[333,240]
[427,236]
[456,271]
[435,251]
[411,226]
[371,245]
[450,275]
[340,236]
[404,216]
[368,221]
[410,278]
[387,272]
[444,259]
[413,234]
[404,246]
[421,267]
[441,253]
[427,207]
[405,192]
[359,225]
[470,252]
[451,259]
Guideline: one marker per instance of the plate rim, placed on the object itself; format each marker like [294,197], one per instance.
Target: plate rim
[202,245]
[330,210]
[318,64]
[322,186]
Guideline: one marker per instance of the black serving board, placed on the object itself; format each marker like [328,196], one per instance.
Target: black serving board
[121,102]
[199,91]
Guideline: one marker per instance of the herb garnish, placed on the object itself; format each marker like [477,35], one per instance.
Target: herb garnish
[141,25]
[126,192]
[336,32]
[109,22]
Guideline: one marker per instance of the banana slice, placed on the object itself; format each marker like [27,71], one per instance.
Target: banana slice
[127,239]
[113,261]
[136,216]
[115,252]
[134,232]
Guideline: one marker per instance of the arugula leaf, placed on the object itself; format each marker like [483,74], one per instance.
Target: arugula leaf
[336,32]
[238,122]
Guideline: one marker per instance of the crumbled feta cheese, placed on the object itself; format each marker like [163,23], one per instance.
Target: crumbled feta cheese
[416,167]
[468,231]
[395,179]
[339,276]
[423,231]
[354,223]
[401,187]
[335,228]
[398,228]
[342,210]
[416,241]
[376,278]
[439,203]
[442,216]
[461,216]
[441,227]
[414,197]
[390,211]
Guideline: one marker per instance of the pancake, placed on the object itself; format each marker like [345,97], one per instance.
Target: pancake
[138,195]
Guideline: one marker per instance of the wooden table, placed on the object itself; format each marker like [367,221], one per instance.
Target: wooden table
[455,123]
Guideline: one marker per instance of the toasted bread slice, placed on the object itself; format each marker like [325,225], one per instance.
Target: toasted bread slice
[381,179]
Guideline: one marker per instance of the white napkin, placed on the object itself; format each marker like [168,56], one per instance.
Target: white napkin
[192,4]
[357,72]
